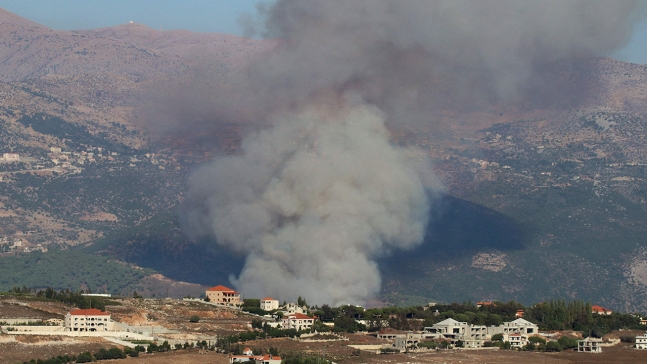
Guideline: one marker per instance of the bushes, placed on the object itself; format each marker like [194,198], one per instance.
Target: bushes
[567,342]
[194,318]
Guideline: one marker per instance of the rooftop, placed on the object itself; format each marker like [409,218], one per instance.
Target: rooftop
[221,288]
[89,312]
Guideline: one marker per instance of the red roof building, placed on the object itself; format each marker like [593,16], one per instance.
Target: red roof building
[87,320]
[224,296]
[297,321]
[600,310]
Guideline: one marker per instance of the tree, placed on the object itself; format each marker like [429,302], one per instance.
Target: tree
[85,357]
[194,318]
[497,337]
[567,342]
[553,346]
[537,340]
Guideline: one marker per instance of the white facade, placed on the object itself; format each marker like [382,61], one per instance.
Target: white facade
[87,320]
[589,345]
[297,321]
[516,340]
[269,304]
[474,335]
[641,342]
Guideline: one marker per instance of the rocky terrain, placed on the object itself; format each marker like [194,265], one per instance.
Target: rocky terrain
[538,200]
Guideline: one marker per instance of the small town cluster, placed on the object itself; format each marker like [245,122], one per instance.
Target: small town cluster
[301,322]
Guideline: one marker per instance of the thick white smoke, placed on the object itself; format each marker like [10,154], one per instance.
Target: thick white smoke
[313,201]
[316,198]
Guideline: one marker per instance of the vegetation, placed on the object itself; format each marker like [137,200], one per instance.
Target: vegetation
[67,269]
[86,357]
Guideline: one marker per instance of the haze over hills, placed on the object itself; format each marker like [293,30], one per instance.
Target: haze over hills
[539,200]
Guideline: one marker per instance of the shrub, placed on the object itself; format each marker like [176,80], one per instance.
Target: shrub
[567,342]
[497,337]
[553,346]
[537,340]
[194,318]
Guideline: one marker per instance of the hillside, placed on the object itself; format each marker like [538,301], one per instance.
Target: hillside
[541,200]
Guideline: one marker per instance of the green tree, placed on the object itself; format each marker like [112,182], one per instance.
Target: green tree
[497,337]
[567,342]
[194,318]
[537,340]
[553,346]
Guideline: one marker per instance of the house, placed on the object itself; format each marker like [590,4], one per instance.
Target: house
[407,341]
[641,342]
[390,334]
[87,320]
[516,340]
[589,345]
[484,303]
[269,304]
[600,310]
[452,330]
[473,336]
[519,326]
[257,359]
[293,308]
[223,295]
[447,329]
[245,358]
[297,321]
[268,359]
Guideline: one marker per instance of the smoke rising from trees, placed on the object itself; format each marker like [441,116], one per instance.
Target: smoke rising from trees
[315,198]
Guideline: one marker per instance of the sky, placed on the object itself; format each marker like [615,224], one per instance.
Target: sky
[219,16]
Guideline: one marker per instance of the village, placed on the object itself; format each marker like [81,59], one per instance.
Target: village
[265,330]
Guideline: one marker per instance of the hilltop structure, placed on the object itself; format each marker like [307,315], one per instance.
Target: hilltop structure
[87,320]
[223,295]
[269,304]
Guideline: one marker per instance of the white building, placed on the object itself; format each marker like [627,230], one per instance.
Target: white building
[473,336]
[293,308]
[519,326]
[641,342]
[11,157]
[589,345]
[516,340]
[87,320]
[269,304]
[297,321]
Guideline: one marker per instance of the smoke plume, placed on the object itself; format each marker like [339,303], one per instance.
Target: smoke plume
[316,197]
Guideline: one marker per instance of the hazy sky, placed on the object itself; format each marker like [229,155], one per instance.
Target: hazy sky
[219,16]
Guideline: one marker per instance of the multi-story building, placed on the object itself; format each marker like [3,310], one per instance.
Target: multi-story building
[297,321]
[641,342]
[589,345]
[87,320]
[269,304]
[223,295]
[473,336]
